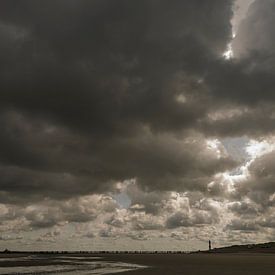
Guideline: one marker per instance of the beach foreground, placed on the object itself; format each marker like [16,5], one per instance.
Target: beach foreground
[195,264]
[202,264]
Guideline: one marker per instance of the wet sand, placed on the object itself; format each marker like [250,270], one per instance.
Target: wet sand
[58,263]
[189,264]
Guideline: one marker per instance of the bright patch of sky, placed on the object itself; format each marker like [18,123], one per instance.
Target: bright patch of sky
[236,147]
[122,199]
[258,148]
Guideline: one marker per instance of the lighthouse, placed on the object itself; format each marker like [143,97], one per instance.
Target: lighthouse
[209,245]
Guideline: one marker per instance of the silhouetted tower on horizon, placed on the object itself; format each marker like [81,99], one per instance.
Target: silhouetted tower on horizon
[209,245]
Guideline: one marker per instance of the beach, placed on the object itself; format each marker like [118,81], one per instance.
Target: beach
[194,264]
[201,264]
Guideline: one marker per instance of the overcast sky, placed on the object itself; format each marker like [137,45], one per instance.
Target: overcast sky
[142,124]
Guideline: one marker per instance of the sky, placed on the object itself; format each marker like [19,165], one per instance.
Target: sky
[136,125]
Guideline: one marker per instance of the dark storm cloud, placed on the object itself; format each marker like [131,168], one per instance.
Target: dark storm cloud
[95,65]
[242,81]
[242,89]
[53,162]
[105,68]
[94,92]
[246,83]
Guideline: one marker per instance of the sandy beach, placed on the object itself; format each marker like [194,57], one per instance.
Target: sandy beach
[201,264]
[194,264]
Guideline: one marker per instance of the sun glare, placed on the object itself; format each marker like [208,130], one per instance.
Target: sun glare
[228,54]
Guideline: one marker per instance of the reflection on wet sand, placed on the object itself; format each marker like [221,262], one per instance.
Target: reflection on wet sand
[59,264]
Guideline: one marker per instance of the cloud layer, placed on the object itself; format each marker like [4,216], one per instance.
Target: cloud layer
[103,99]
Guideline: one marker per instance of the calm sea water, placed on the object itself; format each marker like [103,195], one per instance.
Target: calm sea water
[62,264]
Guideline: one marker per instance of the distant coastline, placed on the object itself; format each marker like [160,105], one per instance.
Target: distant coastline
[268,247]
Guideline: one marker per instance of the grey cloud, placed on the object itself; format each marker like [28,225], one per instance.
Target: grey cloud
[179,219]
[50,213]
[99,92]
[150,202]
[146,222]
[10,238]
[246,82]
[49,236]
[20,185]
[178,236]
[140,236]
[255,32]
[268,221]
[107,73]
[245,209]
[51,161]
[259,185]
[90,235]
[42,218]
[87,208]
[116,222]
[93,65]
[241,121]
[197,218]
[243,225]
[106,233]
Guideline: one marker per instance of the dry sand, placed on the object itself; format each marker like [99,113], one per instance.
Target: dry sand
[202,264]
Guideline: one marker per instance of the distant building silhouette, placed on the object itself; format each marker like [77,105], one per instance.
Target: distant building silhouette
[210,245]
